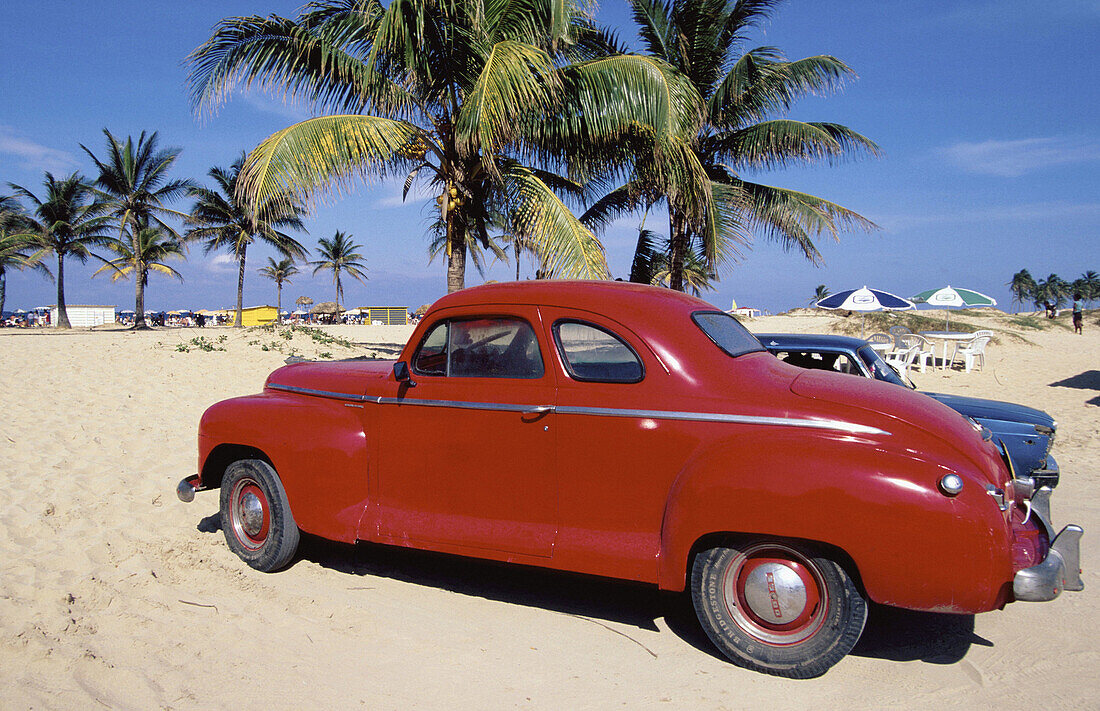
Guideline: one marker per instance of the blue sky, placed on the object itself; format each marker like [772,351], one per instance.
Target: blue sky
[986,110]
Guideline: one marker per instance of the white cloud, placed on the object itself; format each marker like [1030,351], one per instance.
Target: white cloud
[221,263]
[1011,159]
[34,155]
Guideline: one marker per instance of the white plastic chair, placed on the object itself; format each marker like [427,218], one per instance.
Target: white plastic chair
[925,351]
[973,351]
[902,360]
[898,332]
[880,339]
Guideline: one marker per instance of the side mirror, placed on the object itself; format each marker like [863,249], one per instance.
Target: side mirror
[401,373]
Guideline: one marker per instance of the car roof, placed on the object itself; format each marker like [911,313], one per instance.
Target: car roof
[614,299]
[809,340]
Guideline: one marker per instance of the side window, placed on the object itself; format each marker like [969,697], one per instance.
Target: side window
[594,354]
[431,358]
[480,348]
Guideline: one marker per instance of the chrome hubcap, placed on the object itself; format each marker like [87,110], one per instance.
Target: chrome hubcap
[251,514]
[775,592]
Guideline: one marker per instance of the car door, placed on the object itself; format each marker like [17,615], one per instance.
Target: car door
[466,455]
[617,463]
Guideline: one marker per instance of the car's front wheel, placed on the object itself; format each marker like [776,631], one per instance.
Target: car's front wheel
[777,607]
[256,516]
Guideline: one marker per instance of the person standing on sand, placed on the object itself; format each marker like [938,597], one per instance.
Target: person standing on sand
[1078,313]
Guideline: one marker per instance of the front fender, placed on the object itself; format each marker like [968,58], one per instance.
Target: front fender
[911,545]
[316,445]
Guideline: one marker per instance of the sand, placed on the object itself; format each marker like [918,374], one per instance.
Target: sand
[113,594]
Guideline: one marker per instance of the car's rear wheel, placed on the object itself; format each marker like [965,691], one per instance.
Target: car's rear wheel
[777,607]
[256,516]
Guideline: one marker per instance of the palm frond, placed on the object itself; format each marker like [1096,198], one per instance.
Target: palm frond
[793,218]
[516,79]
[761,84]
[782,142]
[321,154]
[571,249]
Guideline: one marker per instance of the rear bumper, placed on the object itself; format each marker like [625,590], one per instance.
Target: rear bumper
[1061,568]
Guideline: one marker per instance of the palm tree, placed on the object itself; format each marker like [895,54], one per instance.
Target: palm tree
[221,218]
[16,251]
[698,176]
[1053,291]
[1088,285]
[133,182]
[68,221]
[651,264]
[821,292]
[139,254]
[1023,287]
[279,272]
[339,255]
[455,93]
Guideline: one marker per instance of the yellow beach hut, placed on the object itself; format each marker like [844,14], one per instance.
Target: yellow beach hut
[255,315]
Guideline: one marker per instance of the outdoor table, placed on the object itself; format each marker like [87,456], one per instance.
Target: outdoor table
[882,347]
[945,337]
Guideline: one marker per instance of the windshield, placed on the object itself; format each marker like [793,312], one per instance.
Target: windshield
[726,332]
[880,369]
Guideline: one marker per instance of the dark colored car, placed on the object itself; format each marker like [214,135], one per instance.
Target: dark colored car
[1026,432]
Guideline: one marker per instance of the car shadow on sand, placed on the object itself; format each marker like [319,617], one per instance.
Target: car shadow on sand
[1088,380]
[890,633]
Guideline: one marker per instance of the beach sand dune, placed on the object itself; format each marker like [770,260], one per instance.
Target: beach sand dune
[114,594]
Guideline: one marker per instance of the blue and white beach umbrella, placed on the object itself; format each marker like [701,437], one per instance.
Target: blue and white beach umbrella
[864,299]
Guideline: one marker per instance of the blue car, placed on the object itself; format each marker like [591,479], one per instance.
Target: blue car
[1026,433]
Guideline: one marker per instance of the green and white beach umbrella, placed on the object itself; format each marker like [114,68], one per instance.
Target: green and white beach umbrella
[951,297]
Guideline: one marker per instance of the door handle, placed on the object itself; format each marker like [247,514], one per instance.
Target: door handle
[538,410]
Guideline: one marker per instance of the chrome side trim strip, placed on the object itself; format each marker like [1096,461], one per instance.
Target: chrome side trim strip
[850,427]
[318,393]
[465,405]
[836,425]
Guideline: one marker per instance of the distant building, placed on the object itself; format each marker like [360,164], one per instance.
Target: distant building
[383,315]
[84,316]
[254,315]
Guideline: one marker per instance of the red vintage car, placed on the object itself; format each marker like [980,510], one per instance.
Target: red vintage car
[638,433]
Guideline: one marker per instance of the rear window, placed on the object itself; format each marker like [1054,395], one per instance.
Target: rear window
[595,354]
[726,332]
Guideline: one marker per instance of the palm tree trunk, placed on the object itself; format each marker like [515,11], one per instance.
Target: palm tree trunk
[62,313]
[339,293]
[678,245]
[278,302]
[516,243]
[240,288]
[456,260]
[3,291]
[139,300]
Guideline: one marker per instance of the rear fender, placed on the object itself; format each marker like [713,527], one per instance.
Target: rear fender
[911,545]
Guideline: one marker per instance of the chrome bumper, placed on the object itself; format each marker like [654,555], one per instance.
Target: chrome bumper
[1048,476]
[1061,569]
[186,489]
